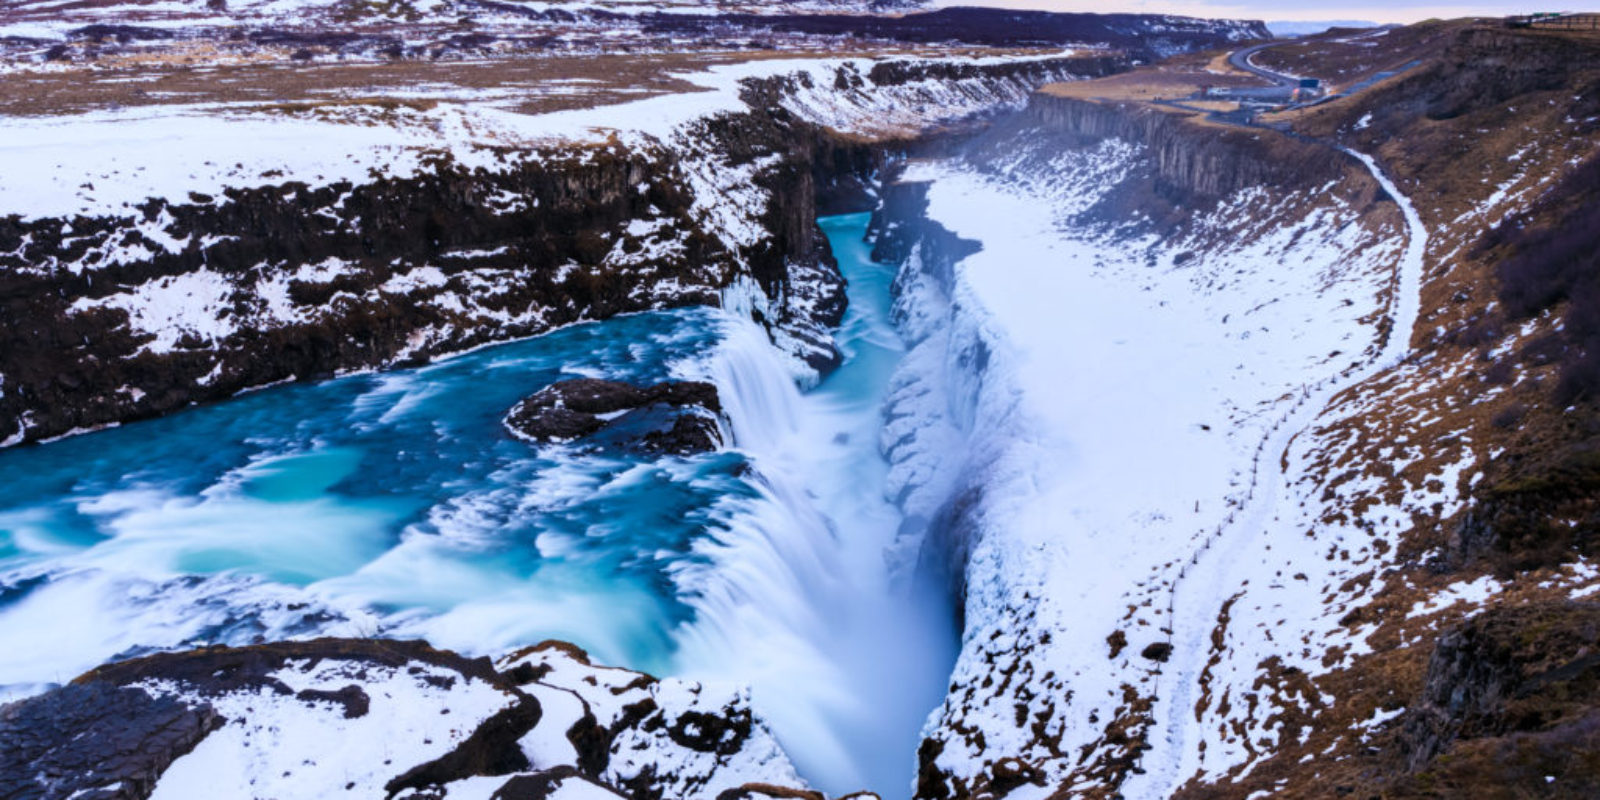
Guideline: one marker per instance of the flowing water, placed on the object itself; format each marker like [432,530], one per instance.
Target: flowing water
[395,504]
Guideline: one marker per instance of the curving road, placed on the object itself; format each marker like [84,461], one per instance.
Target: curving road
[1240,60]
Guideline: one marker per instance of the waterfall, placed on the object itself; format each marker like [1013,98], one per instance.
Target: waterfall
[757,388]
[795,596]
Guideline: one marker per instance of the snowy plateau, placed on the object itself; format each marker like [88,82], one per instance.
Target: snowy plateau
[739,401]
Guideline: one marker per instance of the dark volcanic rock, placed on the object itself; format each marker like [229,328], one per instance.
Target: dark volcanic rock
[217,670]
[762,791]
[672,417]
[901,223]
[1510,697]
[690,433]
[1147,35]
[1157,651]
[1539,511]
[355,701]
[712,733]
[118,33]
[1192,163]
[492,749]
[546,784]
[95,741]
[595,396]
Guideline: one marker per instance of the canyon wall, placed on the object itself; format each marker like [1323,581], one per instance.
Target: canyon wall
[1264,587]
[193,296]
[1195,161]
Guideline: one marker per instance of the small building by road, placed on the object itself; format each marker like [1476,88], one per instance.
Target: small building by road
[1558,20]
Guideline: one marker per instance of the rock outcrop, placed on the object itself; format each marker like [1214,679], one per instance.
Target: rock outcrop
[96,740]
[677,417]
[1192,160]
[1523,680]
[383,718]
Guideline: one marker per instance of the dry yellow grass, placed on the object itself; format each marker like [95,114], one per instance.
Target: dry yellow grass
[1220,106]
[1125,88]
[1165,82]
[1219,65]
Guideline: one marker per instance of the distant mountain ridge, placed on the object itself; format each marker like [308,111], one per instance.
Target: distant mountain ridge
[1286,29]
[911,21]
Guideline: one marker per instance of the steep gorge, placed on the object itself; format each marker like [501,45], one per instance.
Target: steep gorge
[1318,629]
[1161,243]
[759,252]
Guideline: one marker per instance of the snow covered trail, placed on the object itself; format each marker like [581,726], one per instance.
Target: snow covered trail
[1408,283]
[1221,568]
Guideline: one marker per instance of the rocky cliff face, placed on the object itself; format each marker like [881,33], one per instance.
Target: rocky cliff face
[190,298]
[1528,672]
[1193,161]
[195,299]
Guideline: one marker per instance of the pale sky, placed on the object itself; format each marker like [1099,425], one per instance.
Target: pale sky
[1374,10]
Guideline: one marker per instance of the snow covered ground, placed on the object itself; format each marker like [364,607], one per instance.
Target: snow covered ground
[109,161]
[415,714]
[1137,413]
[82,184]
[369,718]
[1279,533]
[47,19]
